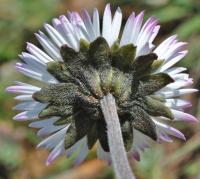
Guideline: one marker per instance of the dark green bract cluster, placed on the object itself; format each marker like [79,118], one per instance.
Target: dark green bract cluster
[96,70]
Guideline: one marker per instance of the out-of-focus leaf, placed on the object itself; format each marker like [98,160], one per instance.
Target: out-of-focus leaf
[169,13]
[155,2]
[91,170]
[31,136]
[187,3]
[35,13]
[192,168]
[11,39]
[18,19]
[190,146]
[189,27]
[9,152]
[149,166]
[119,2]
[193,57]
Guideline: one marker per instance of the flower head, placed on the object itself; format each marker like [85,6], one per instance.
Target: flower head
[80,64]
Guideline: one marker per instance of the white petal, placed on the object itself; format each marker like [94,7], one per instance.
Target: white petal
[175,70]
[180,84]
[55,36]
[174,49]
[140,140]
[54,139]
[28,115]
[107,24]
[83,153]
[31,60]
[177,103]
[58,150]
[48,130]
[79,28]
[38,53]
[89,26]
[180,76]
[29,105]
[116,25]
[75,147]
[128,29]
[69,33]
[57,25]
[176,93]
[67,26]
[50,48]
[24,98]
[34,73]
[146,32]
[181,116]
[168,129]
[164,46]
[137,26]
[154,34]
[96,23]
[173,61]
[43,123]
[23,89]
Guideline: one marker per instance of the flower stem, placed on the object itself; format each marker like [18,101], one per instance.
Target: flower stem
[115,140]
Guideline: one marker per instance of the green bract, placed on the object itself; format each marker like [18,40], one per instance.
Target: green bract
[93,72]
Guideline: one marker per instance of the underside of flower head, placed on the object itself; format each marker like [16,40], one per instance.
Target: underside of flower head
[81,65]
[93,72]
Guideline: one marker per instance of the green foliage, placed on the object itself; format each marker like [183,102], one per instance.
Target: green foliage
[9,152]
[189,28]
[192,60]
[18,21]
[170,13]
[150,164]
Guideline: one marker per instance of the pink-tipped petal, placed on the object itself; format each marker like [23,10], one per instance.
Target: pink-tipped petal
[182,116]
[58,150]
[136,155]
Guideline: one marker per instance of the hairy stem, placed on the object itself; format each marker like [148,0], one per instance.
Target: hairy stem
[115,140]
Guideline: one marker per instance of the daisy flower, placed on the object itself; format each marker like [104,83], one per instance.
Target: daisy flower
[90,76]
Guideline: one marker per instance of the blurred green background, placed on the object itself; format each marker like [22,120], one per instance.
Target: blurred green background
[19,19]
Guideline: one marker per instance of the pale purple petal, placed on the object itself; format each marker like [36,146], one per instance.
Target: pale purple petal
[58,150]
[88,24]
[164,46]
[43,123]
[168,129]
[178,103]
[164,137]
[49,47]
[35,51]
[82,154]
[180,84]
[182,116]
[55,35]
[137,26]
[24,98]
[175,70]
[175,93]
[173,61]
[48,130]
[53,140]
[136,155]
